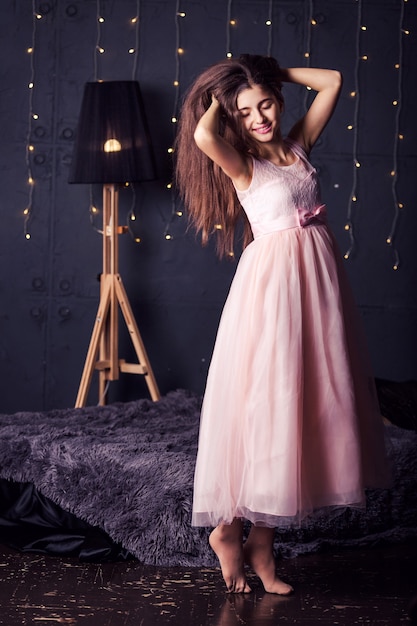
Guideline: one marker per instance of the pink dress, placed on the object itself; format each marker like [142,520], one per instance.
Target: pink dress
[290,421]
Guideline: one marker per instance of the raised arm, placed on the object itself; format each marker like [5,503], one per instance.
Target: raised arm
[327,84]
[210,142]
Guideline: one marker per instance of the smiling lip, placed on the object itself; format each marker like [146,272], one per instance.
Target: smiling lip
[263,130]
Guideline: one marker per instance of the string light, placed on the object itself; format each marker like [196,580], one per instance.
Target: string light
[353,198]
[30,148]
[398,206]
[269,25]
[135,22]
[310,23]
[94,211]
[307,52]
[98,47]
[179,53]
[229,23]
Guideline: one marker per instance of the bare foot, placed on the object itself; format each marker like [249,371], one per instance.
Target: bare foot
[226,542]
[261,559]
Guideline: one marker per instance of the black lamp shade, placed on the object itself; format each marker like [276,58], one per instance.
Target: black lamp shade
[113,142]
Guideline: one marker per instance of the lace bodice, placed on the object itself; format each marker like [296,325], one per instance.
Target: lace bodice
[282,197]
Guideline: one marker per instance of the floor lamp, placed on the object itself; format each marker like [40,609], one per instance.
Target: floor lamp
[112,147]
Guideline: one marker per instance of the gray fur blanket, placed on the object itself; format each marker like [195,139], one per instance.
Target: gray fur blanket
[128,469]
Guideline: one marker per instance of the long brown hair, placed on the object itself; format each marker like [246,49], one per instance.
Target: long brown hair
[208,194]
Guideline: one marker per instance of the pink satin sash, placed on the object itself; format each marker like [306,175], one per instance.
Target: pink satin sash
[301,218]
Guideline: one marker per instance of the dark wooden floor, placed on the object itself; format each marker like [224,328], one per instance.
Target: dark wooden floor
[358,586]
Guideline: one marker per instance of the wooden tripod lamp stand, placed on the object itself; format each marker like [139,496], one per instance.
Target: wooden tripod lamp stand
[113,147]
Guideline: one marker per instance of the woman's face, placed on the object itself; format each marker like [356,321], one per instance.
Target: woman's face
[260,113]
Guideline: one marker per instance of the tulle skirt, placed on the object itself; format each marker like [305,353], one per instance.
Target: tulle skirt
[290,420]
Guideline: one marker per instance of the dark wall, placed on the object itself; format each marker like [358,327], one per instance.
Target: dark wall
[48,283]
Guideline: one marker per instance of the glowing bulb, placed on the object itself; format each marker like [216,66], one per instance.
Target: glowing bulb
[400,136]
[181,14]
[176,83]
[346,255]
[400,205]
[168,236]
[26,211]
[392,173]
[397,66]
[94,209]
[35,116]
[406,32]
[268,22]
[395,102]
[112,145]
[218,226]
[363,27]
[101,19]
[29,50]
[30,85]
[229,55]
[364,57]
[169,186]
[232,22]
[350,127]
[313,22]
[31,148]
[31,181]
[357,164]
[101,50]
[180,50]
[352,94]
[354,198]
[179,213]
[137,239]
[389,240]
[170,150]
[27,235]
[132,217]
[395,267]
[306,55]
[308,88]
[38,16]
[174,120]
[134,20]
[347,227]
[131,50]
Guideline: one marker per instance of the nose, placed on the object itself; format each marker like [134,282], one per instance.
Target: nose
[259,117]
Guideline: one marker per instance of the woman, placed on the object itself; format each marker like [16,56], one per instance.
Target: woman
[290,421]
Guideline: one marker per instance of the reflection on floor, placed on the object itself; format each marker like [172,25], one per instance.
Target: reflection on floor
[363,586]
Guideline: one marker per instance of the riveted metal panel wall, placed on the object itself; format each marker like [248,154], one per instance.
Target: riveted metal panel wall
[48,284]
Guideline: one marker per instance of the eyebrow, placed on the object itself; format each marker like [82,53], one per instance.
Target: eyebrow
[259,103]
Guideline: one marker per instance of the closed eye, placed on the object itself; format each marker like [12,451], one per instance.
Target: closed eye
[262,106]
